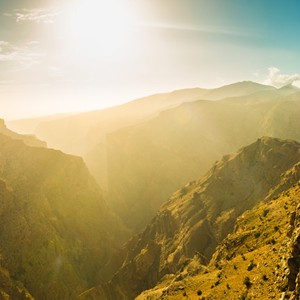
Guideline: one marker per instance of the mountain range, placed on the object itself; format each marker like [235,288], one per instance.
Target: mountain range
[168,139]
[191,194]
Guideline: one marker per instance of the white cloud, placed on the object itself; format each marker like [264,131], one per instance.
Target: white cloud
[279,80]
[22,55]
[44,16]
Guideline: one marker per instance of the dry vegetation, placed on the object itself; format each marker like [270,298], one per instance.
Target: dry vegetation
[248,264]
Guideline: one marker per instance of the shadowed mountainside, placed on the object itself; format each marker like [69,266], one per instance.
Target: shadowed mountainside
[198,217]
[56,232]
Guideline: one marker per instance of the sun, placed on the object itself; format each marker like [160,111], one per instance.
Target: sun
[98,28]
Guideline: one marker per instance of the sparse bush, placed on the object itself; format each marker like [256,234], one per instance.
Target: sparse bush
[235,267]
[251,265]
[264,277]
[271,241]
[199,292]
[265,212]
[276,228]
[228,287]
[243,257]
[257,235]
[247,282]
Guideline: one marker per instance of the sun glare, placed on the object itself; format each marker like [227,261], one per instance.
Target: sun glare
[99,28]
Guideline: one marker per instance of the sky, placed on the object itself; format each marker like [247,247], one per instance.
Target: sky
[81,55]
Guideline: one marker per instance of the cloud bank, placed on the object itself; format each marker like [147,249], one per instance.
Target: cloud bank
[40,16]
[277,79]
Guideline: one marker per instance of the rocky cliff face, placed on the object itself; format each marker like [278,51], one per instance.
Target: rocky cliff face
[56,232]
[200,215]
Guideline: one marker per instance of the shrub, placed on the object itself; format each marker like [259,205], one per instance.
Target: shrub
[257,235]
[265,212]
[247,282]
[264,277]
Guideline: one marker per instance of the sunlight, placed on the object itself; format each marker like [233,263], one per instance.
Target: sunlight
[99,28]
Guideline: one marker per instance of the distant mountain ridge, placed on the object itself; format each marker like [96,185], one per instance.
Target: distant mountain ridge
[147,148]
[85,134]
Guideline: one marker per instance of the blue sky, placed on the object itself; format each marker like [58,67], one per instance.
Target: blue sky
[72,55]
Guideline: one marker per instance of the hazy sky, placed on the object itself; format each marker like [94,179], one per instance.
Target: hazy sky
[72,55]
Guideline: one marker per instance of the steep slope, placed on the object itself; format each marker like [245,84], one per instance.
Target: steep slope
[200,215]
[147,162]
[259,260]
[56,232]
[29,140]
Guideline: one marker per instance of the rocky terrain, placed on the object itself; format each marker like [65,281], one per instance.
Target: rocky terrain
[56,232]
[196,219]
[259,260]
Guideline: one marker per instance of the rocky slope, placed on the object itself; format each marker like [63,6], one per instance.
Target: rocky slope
[199,216]
[147,162]
[259,260]
[56,232]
